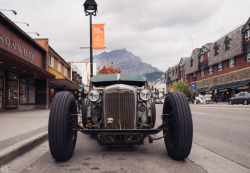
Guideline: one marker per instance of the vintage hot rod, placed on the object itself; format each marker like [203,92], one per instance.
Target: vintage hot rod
[119,110]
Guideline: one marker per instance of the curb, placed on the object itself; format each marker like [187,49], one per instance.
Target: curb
[11,152]
[222,106]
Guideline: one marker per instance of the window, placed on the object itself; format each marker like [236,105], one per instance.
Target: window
[194,74]
[201,58]
[227,45]
[216,49]
[247,35]
[202,72]
[191,63]
[180,69]
[65,70]
[51,62]
[248,57]
[220,66]
[208,53]
[231,62]
[27,91]
[210,70]
[59,66]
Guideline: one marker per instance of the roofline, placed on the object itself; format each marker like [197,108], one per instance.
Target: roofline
[20,31]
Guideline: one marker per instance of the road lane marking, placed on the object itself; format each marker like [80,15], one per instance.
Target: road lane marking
[213,162]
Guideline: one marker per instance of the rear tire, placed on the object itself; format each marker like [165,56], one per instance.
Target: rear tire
[84,113]
[230,102]
[153,114]
[62,137]
[179,138]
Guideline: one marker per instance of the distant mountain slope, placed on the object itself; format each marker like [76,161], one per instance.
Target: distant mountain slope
[128,62]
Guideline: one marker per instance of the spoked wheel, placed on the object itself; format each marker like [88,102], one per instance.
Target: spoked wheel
[63,116]
[178,117]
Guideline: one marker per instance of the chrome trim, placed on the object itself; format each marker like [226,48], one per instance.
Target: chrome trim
[124,115]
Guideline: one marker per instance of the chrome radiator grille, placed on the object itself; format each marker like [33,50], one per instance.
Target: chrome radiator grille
[119,105]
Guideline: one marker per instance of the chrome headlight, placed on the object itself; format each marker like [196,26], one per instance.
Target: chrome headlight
[93,95]
[145,94]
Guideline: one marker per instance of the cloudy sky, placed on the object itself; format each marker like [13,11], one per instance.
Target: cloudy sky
[159,31]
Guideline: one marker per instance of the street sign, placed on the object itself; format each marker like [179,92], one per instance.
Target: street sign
[193,86]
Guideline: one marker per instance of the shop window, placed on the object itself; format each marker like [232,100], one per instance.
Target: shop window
[247,35]
[210,70]
[59,66]
[231,62]
[51,61]
[65,70]
[27,91]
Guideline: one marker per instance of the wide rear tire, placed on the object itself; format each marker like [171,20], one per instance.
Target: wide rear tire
[153,113]
[179,137]
[84,113]
[62,137]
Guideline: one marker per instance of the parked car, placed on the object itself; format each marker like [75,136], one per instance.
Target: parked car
[157,101]
[162,100]
[240,98]
[118,111]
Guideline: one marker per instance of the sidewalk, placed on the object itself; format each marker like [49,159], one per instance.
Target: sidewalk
[20,131]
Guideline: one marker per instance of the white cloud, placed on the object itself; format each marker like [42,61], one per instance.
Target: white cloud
[158,31]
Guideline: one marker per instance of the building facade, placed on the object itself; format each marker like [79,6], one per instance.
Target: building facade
[84,68]
[57,66]
[221,68]
[23,74]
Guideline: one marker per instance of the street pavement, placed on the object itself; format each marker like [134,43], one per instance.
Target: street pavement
[21,131]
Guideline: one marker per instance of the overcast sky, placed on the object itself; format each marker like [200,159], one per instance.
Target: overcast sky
[159,31]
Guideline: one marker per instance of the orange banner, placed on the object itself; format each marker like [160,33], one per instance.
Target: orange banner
[98,41]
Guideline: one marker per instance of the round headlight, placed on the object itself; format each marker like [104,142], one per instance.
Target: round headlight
[93,95]
[145,94]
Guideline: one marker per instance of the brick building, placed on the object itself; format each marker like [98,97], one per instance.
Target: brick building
[221,68]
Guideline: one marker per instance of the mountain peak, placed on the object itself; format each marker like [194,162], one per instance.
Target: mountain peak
[128,62]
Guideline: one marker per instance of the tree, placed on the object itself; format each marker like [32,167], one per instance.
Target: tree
[181,86]
[109,69]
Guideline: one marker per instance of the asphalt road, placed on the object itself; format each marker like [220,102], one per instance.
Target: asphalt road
[221,143]
[224,130]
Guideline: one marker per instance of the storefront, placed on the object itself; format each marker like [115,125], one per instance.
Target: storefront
[23,74]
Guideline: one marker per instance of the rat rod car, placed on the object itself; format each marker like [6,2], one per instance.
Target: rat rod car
[119,110]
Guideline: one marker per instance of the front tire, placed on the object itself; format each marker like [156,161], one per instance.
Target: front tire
[179,137]
[62,137]
[245,102]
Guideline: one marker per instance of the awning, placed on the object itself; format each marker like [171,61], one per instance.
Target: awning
[64,83]
[232,85]
[204,89]
[17,65]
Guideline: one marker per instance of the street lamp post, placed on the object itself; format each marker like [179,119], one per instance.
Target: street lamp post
[90,8]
